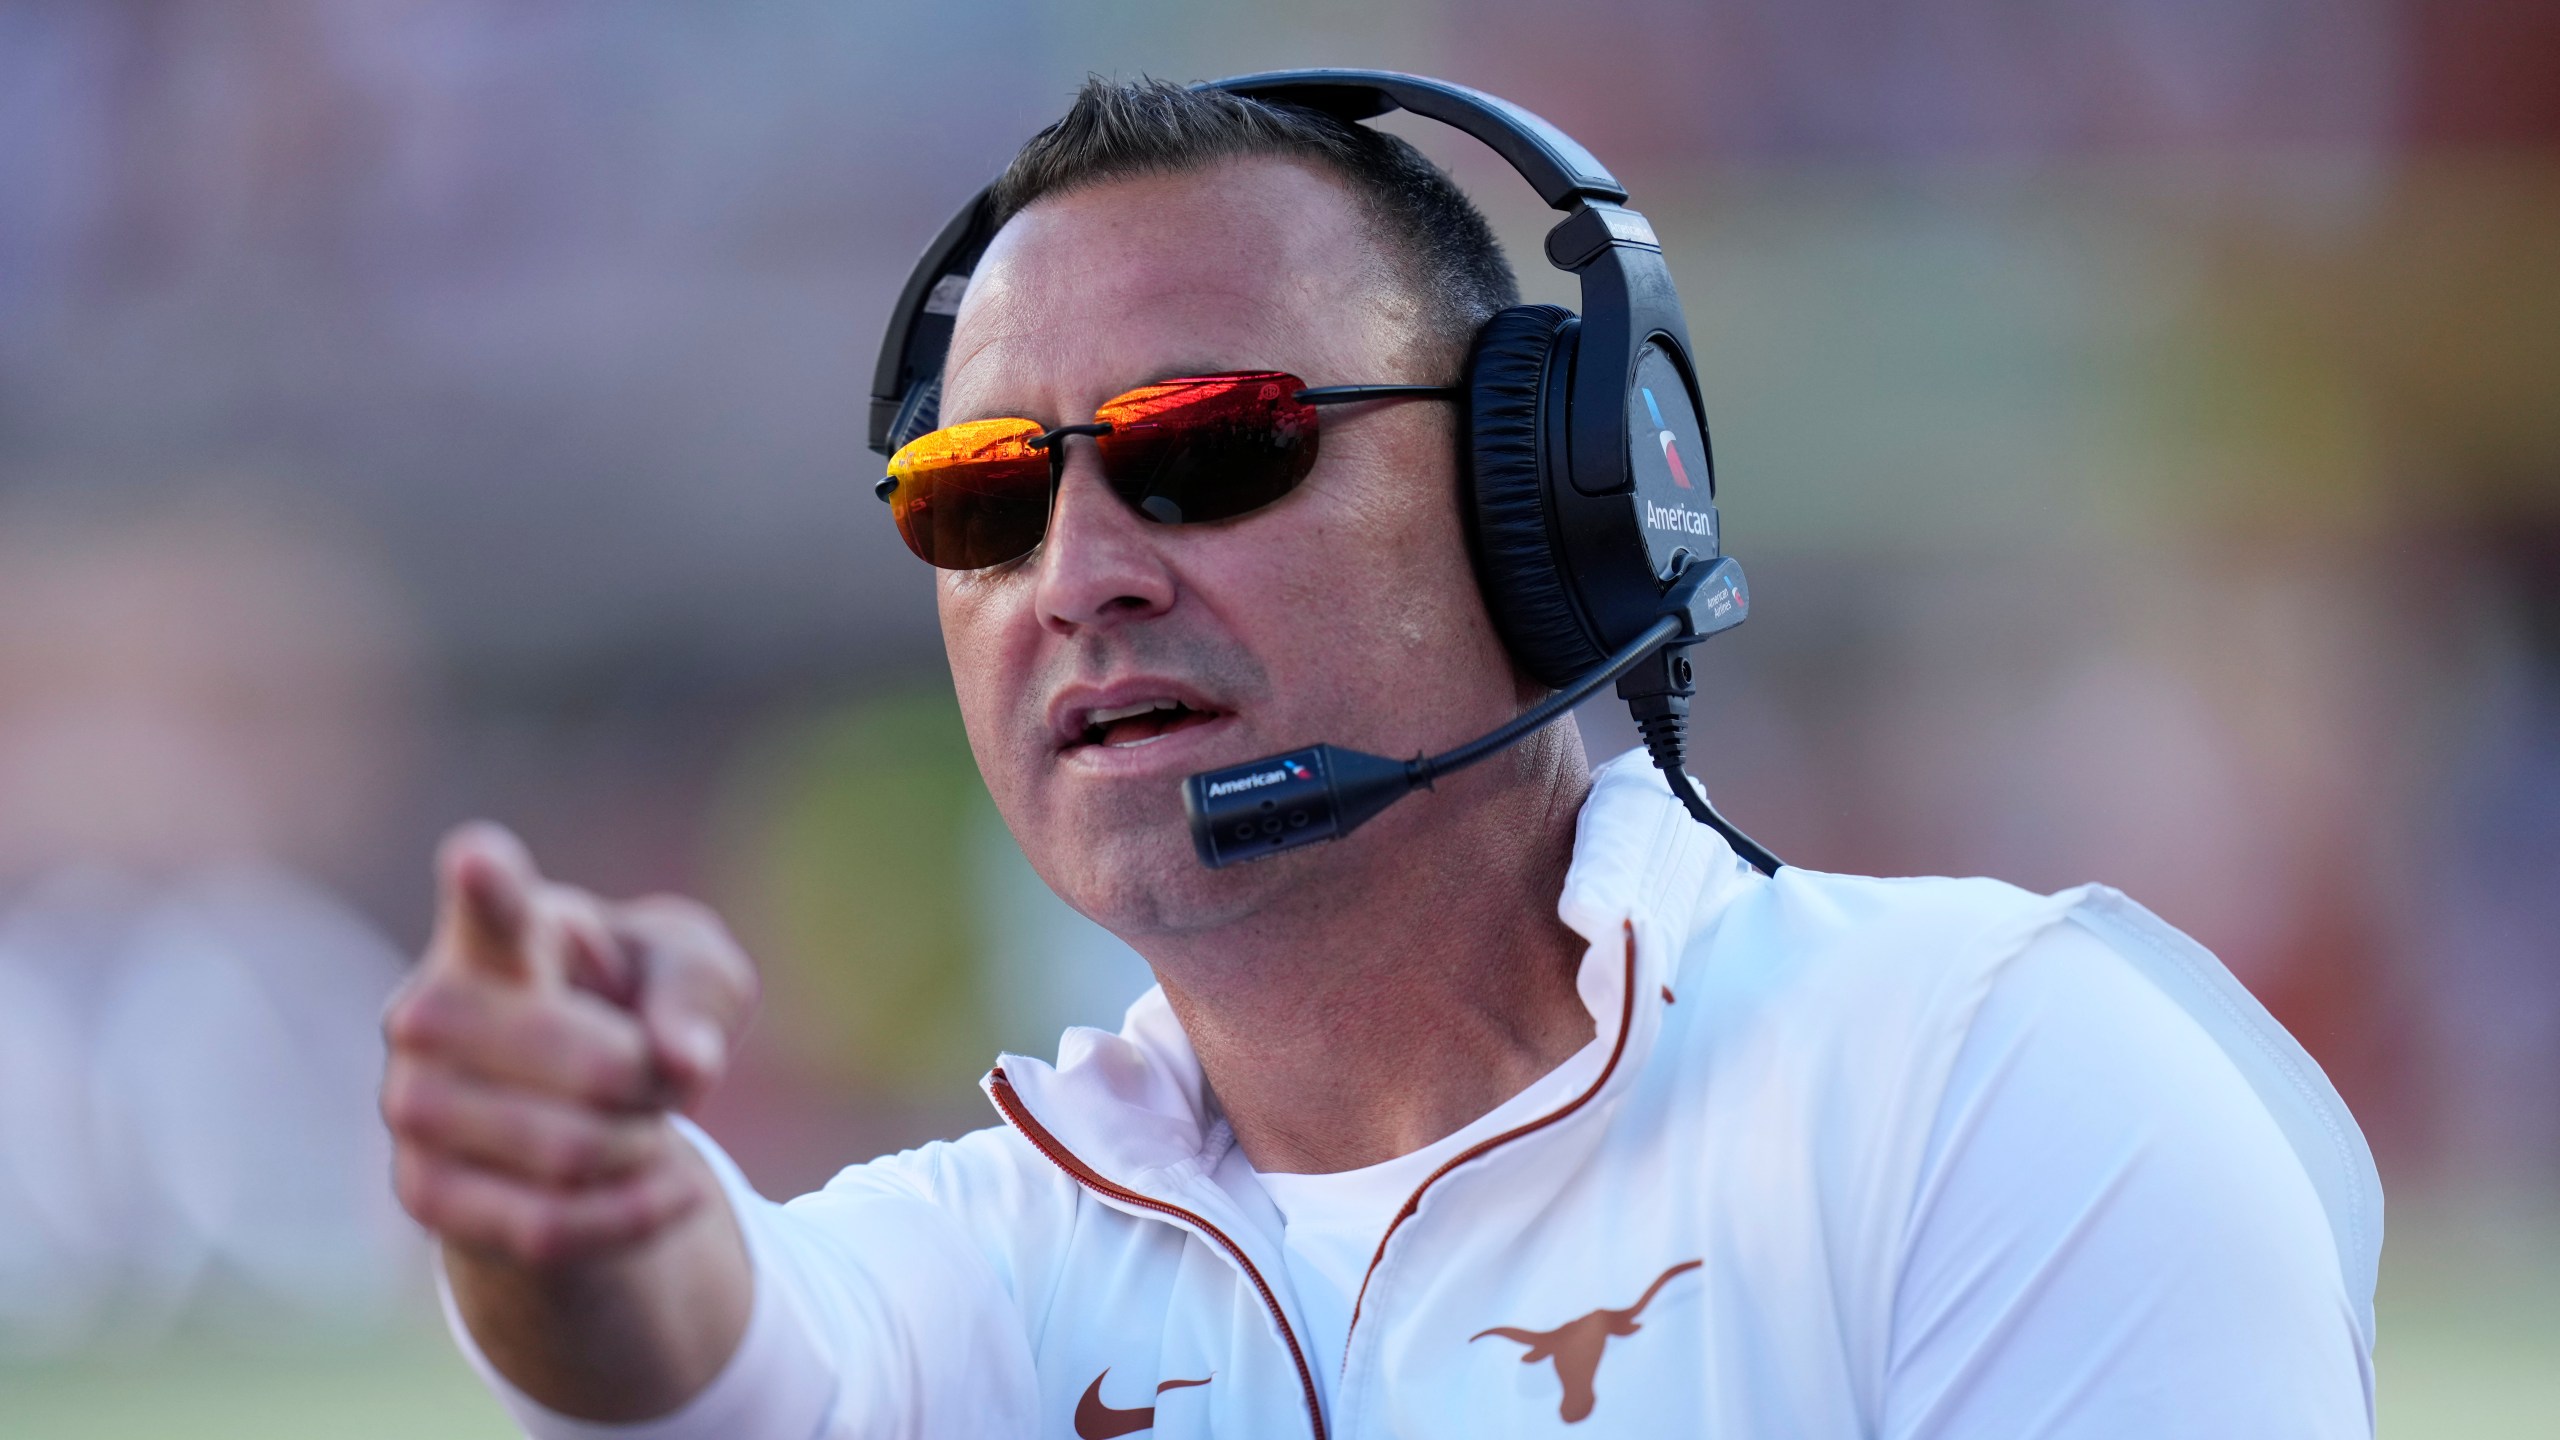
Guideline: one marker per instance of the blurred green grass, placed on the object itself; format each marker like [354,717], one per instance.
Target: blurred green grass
[2470,1320]
[2469,1314]
[407,1385]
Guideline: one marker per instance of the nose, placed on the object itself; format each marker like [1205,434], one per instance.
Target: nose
[1099,564]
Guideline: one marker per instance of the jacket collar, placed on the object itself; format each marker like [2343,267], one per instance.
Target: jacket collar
[1135,1107]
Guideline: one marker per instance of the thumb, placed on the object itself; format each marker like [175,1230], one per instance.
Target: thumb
[484,882]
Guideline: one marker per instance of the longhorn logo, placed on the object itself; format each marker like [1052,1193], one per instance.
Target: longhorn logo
[1576,1345]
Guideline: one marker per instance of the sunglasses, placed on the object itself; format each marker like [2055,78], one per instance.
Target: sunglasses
[1178,452]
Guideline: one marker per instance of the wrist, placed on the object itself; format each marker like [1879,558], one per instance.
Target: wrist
[621,1336]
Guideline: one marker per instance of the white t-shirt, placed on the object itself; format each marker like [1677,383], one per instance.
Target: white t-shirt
[1330,1225]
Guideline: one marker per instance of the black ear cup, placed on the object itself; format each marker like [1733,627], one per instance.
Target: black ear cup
[1519,362]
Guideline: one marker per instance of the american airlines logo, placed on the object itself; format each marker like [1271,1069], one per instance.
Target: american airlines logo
[1287,770]
[1670,444]
[1678,519]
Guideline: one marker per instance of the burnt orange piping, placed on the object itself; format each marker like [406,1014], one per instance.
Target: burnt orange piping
[1626,1022]
[1019,1116]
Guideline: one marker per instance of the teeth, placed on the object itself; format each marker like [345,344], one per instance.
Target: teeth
[1105,717]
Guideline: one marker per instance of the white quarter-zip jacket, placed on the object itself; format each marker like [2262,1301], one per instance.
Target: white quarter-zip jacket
[1850,1158]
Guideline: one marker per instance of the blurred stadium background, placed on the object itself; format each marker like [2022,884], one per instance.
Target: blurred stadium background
[2142,419]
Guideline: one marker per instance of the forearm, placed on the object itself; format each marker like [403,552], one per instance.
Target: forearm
[626,1337]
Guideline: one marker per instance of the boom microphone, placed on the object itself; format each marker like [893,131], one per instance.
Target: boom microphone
[1324,792]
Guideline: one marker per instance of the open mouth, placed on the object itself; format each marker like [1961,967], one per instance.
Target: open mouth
[1123,727]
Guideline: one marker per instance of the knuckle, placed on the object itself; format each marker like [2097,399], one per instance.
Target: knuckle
[640,1210]
[406,1105]
[419,1193]
[680,1191]
[691,931]
[713,953]
[543,1027]
[397,1004]
[645,1150]
[538,1236]
[562,1025]
[531,1238]
[610,1078]
[459,842]
[683,1200]
[406,1021]
[676,912]
[568,1155]
[577,915]
[560,904]
[426,1015]
[729,966]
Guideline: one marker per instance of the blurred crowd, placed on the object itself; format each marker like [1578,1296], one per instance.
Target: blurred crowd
[2142,421]
[198,706]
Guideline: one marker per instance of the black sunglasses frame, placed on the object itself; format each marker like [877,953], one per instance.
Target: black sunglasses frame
[1052,440]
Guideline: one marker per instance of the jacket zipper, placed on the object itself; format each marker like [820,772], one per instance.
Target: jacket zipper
[1413,1202]
[1047,1144]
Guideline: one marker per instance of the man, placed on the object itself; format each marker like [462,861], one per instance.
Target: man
[1527,1107]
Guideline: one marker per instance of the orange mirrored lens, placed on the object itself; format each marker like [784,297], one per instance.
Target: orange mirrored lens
[971,495]
[1182,451]
[1208,447]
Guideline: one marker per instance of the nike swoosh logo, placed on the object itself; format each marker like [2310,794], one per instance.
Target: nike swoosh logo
[1097,1421]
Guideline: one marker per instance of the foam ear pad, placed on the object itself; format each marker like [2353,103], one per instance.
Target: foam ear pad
[1517,561]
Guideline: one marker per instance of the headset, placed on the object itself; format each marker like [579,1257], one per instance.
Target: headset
[1591,492]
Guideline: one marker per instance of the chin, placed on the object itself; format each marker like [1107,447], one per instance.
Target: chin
[1147,881]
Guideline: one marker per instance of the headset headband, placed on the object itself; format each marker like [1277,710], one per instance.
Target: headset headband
[1627,293]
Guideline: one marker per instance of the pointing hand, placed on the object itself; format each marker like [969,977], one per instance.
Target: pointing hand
[536,1054]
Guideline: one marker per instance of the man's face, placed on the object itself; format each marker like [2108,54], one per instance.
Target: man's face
[1346,612]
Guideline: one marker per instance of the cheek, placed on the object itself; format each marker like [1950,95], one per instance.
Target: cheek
[988,673]
[1401,541]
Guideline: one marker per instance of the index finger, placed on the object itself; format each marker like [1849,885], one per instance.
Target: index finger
[485,880]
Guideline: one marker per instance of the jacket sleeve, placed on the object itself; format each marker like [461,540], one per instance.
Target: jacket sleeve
[877,1316]
[2111,1236]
